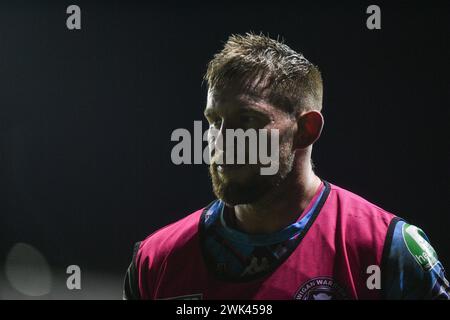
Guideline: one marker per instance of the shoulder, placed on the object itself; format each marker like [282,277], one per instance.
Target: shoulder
[354,208]
[152,252]
[171,237]
[363,226]
[410,267]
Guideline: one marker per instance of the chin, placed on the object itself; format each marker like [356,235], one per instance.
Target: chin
[233,194]
[245,188]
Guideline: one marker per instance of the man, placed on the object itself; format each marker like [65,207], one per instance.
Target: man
[289,235]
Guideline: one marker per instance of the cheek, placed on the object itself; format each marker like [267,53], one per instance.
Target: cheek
[286,130]
[287,140]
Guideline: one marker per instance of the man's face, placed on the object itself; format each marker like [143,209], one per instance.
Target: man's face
[233,109]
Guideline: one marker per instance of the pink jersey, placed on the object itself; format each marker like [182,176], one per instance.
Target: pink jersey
[344,237]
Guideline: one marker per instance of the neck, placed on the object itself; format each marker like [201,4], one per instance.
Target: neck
[280,208]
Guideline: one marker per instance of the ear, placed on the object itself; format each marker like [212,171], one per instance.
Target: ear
[309,128]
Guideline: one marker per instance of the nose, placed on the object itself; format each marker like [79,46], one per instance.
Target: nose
[218,145]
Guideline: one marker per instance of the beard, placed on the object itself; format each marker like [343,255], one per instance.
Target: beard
[250,185]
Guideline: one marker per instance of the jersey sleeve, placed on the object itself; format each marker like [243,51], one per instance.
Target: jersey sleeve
[412,269]
[131,281]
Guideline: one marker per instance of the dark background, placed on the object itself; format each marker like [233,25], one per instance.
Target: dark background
[86,117]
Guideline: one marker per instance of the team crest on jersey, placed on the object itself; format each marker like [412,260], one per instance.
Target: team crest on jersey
[320,288]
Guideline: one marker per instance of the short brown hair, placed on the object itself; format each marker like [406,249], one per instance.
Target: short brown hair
[261,64]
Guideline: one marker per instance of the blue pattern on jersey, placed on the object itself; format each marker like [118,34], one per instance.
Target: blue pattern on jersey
[237,254]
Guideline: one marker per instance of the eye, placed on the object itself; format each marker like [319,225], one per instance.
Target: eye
[248,120]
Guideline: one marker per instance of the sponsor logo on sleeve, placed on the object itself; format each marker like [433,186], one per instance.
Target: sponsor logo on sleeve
[419,247]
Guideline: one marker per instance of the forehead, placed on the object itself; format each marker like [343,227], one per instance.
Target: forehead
[234,99]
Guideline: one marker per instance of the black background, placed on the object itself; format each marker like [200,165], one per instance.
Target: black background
[86,116]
